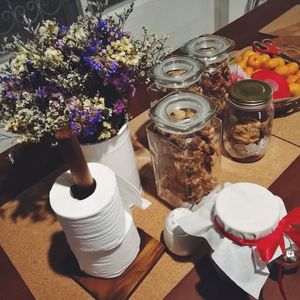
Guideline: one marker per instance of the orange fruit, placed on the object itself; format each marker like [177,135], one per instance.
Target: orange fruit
[272,63]
[248,53]
[291,78]
[298,80]
[295,89]
[282,70]
[298,73]
[265,57]
[243,64]
[293,67]
[255,61]
[281,61]
[249,70]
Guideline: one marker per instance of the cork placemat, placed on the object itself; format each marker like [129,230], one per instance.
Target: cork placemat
[124,285]
[287,24]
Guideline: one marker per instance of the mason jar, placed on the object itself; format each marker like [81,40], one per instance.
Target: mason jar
[248,119]
[176,74]
[216,80]
[185,146]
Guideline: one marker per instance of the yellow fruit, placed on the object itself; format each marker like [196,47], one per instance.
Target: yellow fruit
[272,63]
[265,57]
[281,61]
[249,70]
[255,61]
[282,70]
[293,67]
[295,89]
[243,64]
[291,78]
[247,53]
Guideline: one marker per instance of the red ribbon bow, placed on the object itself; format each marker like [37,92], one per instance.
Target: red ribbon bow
[268,244]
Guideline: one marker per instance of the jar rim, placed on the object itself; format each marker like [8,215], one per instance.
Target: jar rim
[250,94]
[209,47]
[202,110]
[177,72]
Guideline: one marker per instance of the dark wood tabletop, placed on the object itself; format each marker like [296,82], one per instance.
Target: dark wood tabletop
[32,162]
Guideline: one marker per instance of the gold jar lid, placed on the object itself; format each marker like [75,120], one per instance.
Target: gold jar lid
[250,94]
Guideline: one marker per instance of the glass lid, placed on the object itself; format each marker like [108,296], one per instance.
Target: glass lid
[182,112]
[177,72]
[208,47]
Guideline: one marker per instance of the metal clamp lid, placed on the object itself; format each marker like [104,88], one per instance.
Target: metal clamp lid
[182,112]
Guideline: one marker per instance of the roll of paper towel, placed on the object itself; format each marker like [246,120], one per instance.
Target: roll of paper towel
[100,232]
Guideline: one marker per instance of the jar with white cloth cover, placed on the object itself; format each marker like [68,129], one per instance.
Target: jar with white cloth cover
[247,227]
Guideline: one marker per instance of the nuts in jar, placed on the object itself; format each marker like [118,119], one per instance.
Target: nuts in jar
[248,120]
[185,145]
[216,79]
[174,74]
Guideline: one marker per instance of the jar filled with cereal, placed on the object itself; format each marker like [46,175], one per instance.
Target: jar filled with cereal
[248,119]
[216,80]
[185,145]
[176,74]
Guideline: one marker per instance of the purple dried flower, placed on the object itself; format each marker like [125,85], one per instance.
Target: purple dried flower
[119,107]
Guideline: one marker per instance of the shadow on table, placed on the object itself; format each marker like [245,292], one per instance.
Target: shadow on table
[58,252]
[215,286]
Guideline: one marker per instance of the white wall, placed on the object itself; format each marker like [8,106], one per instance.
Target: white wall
[182,20]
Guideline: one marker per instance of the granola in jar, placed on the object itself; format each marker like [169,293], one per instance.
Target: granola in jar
[176,74]
[185,146]
[216,79]
[248,120]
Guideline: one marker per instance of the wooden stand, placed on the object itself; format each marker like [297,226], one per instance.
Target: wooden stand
[123,286]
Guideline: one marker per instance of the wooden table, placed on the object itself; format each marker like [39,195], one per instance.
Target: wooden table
[31,236]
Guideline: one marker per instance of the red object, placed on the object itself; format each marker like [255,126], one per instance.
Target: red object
[275,81]
[266,46]
[267,245]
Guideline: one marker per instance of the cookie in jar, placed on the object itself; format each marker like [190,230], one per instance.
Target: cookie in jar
[185,146]
[248,120]
[216,80]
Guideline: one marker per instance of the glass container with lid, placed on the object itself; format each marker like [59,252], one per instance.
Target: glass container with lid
[216,80]
[185,145]
[248,119]
[176,73]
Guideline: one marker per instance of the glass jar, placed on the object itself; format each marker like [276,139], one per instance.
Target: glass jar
[248,119]
[213,51]
[174,74]
[185,146]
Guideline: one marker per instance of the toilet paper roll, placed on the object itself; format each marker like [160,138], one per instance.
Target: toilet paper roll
[96,223]
[112,263]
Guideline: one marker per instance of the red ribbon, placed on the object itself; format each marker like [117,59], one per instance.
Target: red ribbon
[268,244]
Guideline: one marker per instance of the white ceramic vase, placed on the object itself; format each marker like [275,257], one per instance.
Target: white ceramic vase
[118,154]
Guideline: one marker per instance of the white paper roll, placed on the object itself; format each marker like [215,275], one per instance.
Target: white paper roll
[112,263]
[100,232]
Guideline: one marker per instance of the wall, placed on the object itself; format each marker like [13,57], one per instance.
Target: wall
[182,20]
